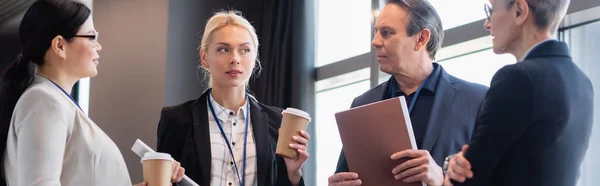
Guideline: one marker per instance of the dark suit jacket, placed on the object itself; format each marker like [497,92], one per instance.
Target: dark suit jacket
[535,122]
[455,106]
[183,132]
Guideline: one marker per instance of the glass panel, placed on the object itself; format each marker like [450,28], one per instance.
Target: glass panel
[478,67]
[343,30]
[84,94]
[329,144]
[343,79]
[464,61]
[464,48]
[383,77]
[584,45]
[457,13]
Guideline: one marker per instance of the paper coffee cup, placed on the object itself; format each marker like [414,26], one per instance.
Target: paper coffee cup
[158,168]
[292,122]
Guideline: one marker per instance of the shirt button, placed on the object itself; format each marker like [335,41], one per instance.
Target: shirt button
[234,124]
[233,143]
[231,162]
[231,113]
[229,183]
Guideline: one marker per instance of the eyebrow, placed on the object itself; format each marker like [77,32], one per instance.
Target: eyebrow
[384,28]
[227,44]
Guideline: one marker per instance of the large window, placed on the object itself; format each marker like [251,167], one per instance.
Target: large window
[473,61]
[478,67]
[584,45]
[343,46]
[346,65]
[457,13]
[343,30]
[330,100]
[343,36]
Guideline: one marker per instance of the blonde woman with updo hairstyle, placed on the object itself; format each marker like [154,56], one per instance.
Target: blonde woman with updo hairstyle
[226,137]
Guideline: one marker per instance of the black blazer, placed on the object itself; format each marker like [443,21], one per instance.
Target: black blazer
[535,122]
[183,132]
[455,106]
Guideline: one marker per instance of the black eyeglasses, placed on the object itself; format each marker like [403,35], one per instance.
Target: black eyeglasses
[488,11]
[94,38]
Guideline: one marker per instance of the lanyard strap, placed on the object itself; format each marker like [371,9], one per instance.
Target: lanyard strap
[72,99]
[414,99]
[242,180]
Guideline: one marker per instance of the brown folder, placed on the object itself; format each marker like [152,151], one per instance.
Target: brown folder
[371,134]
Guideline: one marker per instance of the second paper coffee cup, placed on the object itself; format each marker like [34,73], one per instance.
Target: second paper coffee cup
[292,122]
[158,168]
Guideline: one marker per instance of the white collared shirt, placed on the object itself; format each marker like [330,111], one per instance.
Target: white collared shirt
[534,46]
[222,167]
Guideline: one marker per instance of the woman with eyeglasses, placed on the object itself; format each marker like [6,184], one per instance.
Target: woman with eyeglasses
[46,138]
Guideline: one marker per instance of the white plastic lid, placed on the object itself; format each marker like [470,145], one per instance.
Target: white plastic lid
[157,156]
[297,112]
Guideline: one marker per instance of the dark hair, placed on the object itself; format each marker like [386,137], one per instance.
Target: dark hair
[43,21]
[421,15]
[547,14]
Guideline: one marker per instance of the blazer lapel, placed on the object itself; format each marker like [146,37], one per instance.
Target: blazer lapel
[443,101]
[383,90]
[202,137]
[260,128]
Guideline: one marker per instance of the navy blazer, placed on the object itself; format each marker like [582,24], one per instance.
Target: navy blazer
[455,106]
[535,122]
[183,132]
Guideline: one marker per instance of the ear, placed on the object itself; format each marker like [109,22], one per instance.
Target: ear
[422,39]
[522,12]
[58,46]
[203,60]
[255,60]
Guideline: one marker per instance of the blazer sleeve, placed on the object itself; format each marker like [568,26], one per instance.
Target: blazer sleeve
[506,113]
[169,137]
[42,130]
[282,175]
[280,169]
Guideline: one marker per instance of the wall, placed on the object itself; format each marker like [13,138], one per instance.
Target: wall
[183,77]
[184,81]
[127,95]
[149,60]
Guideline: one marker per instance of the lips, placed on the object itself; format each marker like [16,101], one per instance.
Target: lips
[234,73]
[380,56]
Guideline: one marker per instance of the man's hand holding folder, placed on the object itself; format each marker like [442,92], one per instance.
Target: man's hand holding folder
[420,167]
[395,160]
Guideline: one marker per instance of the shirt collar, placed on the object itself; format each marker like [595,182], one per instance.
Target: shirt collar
[430,85]
[531,49]
[223,113]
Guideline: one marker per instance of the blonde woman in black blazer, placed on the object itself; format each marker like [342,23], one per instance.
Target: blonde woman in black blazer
[202,133]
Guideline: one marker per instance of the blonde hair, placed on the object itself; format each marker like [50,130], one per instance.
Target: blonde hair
[220,20]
